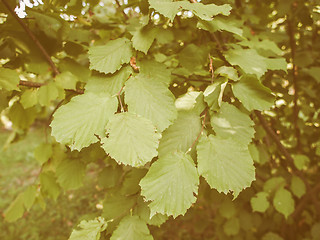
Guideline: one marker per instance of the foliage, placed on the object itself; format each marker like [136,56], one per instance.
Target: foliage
[200,117]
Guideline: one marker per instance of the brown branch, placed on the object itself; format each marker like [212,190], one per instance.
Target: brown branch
[37,85]
[33,37]
[193,1]
[123,13]
[290,161]
[30,84]
[294,81]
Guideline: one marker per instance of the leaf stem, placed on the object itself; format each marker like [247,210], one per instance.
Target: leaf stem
[202,127]
[119,98]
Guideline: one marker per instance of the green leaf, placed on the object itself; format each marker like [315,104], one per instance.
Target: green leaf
[227,209]
[191,101]
[297,186]
[271,236]
[89,230]
[85,116]
[158,71]
[273,184]
[29,197]
[169,9]
[49,185]
[143,211]
[231,122]
[171,184]
[43,152]
[131,228]
[259,202]
[225,164]
[111,84]
[109,176]
[207,11]
[155,101]
[247,59]
[130,184]
[313,72]
[70,174]
[9,79]
[111,56]
[15,210]
[47,94]
[181,134]
[220,24]
[253,94]
[276,64]
[48,24]
[20,117]
[228,72]
[300,161]
[134,133]
[66,80]
[116,205]
[29,98]
[265,44]
[193,57]
[232,227]
[143,38]
[283,202]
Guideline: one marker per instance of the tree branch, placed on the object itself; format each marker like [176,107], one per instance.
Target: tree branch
[37,85]
[290,161]
[123,13]
[294,81]
[34,39]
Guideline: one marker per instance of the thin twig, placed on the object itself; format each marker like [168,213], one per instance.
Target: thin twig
[37,85]
[202,128]
[34,39]
[123,13]
[30,84]
[290,160]
[294,82]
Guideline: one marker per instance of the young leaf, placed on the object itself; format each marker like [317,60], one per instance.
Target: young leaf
[171,184]
[283,202]
[15,210]
[231,122]
[155,101]
[260,203]
[110,57]
[225,164]
[89,230]
[253,94]
[136,134]
[297,186]
[131,228]
[85,116]
[9,79]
